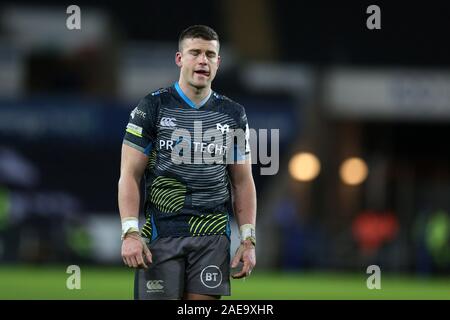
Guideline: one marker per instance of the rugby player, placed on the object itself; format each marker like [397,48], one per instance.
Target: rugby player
[183,249]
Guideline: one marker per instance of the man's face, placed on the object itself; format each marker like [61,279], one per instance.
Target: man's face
[198,61]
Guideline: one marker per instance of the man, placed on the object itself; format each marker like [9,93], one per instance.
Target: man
[182,251]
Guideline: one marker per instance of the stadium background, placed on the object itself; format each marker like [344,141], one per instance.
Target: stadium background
[333,88]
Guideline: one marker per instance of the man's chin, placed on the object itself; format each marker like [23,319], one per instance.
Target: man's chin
[200,85]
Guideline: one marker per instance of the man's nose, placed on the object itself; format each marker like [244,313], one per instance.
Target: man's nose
[203,58]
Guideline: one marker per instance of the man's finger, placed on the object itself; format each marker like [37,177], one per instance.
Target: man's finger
[128,262]
[237,257]
[246,267]
[243,272]
[140,261]
[236,260]
[133,261]
[148,254]
[239,275]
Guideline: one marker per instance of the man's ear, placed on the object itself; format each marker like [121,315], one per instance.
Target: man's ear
[218,61]
[178,59]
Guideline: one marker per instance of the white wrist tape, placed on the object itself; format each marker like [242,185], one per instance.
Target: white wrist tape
[129,224]
[247,231]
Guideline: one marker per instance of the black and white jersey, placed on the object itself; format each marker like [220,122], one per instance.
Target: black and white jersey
[187,188]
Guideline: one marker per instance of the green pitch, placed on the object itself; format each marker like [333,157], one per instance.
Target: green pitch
[117,283]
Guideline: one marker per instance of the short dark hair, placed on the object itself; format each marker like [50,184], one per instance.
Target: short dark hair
[197,31]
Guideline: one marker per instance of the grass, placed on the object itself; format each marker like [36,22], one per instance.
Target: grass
[25,282]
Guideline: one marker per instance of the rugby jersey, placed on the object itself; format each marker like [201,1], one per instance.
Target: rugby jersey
[187,187]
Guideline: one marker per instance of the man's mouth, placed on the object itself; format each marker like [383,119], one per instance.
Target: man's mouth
[202,72]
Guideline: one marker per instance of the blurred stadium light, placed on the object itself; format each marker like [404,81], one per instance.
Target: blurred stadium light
[353,171]
[304,166]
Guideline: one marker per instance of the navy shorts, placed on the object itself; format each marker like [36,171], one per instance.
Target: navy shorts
[181,265]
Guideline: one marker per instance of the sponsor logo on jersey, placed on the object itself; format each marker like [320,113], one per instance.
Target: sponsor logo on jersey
[138,112]
[223,128]
[134,128]
[196,146]
[157,92]
[168,122]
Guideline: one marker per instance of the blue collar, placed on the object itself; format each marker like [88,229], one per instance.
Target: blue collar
[189,101]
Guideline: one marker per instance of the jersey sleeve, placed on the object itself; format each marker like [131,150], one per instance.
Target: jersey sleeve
[140,132]
[242,144]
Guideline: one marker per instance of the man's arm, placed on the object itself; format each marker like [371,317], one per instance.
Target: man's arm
[244,195]
[132,167]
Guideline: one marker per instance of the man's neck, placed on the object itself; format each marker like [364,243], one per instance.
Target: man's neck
[196,95]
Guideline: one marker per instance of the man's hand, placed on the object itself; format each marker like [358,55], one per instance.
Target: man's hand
[134,249]
[246,254]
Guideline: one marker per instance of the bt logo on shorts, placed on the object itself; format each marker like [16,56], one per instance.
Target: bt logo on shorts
[167,122]
[155,286]
[211,276]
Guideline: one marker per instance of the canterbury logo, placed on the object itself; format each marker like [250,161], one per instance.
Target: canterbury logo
[154,285]
[168,122]
[223,128]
